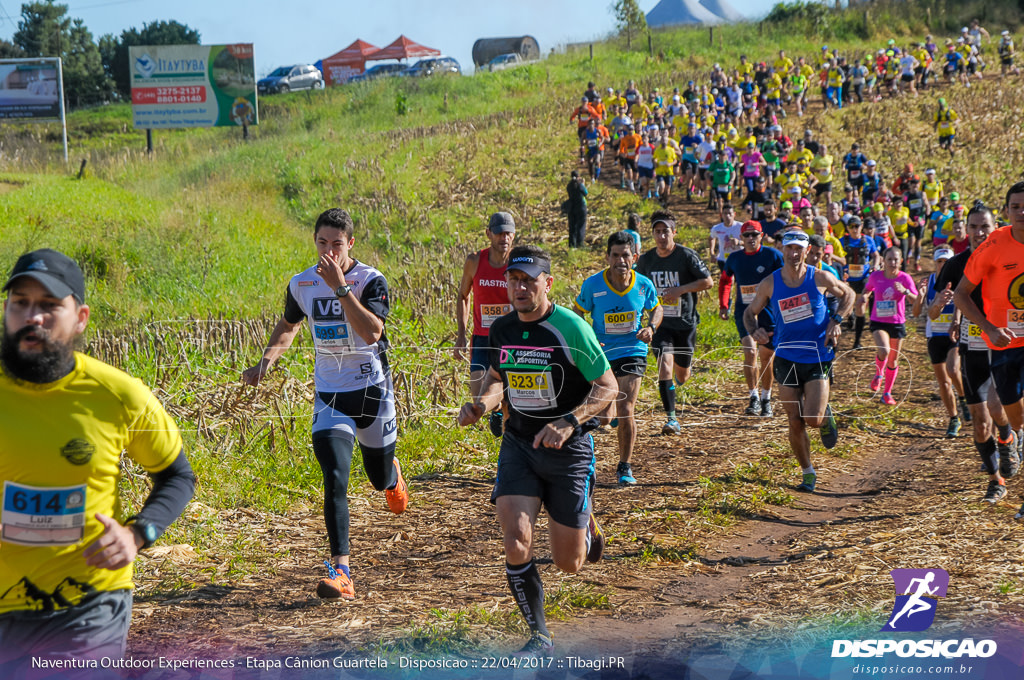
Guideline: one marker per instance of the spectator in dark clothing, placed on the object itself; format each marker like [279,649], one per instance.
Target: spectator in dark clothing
[577,210]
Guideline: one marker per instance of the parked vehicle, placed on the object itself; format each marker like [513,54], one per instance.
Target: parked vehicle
[504,61]
[434,66]
[378,71]
[287,78]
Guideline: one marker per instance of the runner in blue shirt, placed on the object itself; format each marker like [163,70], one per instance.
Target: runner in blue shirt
[689,143]
[616,299]
[941,348]
[805,338]
[749,266]
[861,259]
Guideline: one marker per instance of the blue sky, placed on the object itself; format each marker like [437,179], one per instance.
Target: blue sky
[302,32]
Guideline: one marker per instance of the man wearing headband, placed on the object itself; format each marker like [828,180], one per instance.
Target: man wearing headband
[65,552]
[805,337]
[546,362]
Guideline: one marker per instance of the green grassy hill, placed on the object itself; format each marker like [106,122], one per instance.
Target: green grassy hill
[187,252]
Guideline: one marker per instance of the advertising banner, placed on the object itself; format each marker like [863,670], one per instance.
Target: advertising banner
[179,86]
[29,89]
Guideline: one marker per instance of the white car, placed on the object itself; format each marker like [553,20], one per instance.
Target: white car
[504,61]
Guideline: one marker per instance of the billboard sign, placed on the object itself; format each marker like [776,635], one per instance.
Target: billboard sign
[179,86]
[30,89]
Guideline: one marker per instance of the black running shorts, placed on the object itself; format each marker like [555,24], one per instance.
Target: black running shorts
[975,374]
[895,330]
[793,374]
[938,348]
[562,478]
[678,343]
[628,366]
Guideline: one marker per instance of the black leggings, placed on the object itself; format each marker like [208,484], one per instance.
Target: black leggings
[334,453]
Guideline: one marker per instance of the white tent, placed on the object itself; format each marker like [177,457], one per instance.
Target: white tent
[673,12]
[723,9]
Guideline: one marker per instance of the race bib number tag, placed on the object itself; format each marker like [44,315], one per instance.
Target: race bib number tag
[333,337]
[975,340]
[43,516]
[592,142]
[671,311]
[531,391]
[723,187]
[619,323]
[854,174]
[885,309]
[747,294]
[796,308]
[856,271]
[1015,321]
[943,321]
[751,169]
[915,204]
[490,313]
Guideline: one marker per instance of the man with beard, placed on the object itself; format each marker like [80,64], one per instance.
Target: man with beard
[483,278]
[547,364]
[65,554]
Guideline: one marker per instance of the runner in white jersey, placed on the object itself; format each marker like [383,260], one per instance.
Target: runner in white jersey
[346,304]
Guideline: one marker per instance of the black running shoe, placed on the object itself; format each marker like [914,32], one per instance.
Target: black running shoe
[754,407]
[995,493]
[766,408]
[538,645]
[1009,464]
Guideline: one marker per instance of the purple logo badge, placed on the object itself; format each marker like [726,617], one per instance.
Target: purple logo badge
[917,591]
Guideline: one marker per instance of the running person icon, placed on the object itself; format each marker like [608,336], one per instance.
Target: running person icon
[916,603]
[346,304]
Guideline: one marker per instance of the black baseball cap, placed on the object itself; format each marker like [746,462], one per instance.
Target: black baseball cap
[57,272]
[501,222]
[531,265]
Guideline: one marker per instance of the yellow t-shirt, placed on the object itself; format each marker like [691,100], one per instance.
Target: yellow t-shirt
[933,191]
[808,71]
[945,120]
[821,166]
[60,451]
[899,215]
[664,160]
[798,155]
[783,65]
[744,69]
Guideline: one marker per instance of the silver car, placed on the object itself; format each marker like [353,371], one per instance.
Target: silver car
[288,78]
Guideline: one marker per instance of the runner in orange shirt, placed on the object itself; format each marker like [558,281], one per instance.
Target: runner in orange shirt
[999,262]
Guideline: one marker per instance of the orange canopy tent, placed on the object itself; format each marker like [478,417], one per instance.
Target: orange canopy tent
[403,48]
[342,65]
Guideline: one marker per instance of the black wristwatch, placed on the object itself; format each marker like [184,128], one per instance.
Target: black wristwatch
[571,419]
[342,291]
[146,530]
[838,318]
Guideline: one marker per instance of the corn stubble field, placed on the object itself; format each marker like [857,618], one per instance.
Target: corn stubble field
[187,255]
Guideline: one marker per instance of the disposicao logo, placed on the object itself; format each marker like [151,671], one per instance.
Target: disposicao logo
[914,610]
[145,66]
[917,593]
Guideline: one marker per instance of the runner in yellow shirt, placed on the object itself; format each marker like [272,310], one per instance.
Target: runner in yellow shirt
[932,187]
[821,168]
[945,118]
[665,159]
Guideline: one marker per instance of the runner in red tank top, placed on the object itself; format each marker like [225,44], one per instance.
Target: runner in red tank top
[483,276]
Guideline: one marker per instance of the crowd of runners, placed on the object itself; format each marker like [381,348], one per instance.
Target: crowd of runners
[806,244]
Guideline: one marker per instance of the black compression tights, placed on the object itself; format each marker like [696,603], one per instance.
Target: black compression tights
[334,454]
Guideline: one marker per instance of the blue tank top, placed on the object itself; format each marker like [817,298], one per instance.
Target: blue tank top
[941,325]
[801,317]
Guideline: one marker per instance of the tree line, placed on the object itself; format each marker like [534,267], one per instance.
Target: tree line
[95,72]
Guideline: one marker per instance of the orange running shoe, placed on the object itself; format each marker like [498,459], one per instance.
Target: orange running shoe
[336,585]
[398,497]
